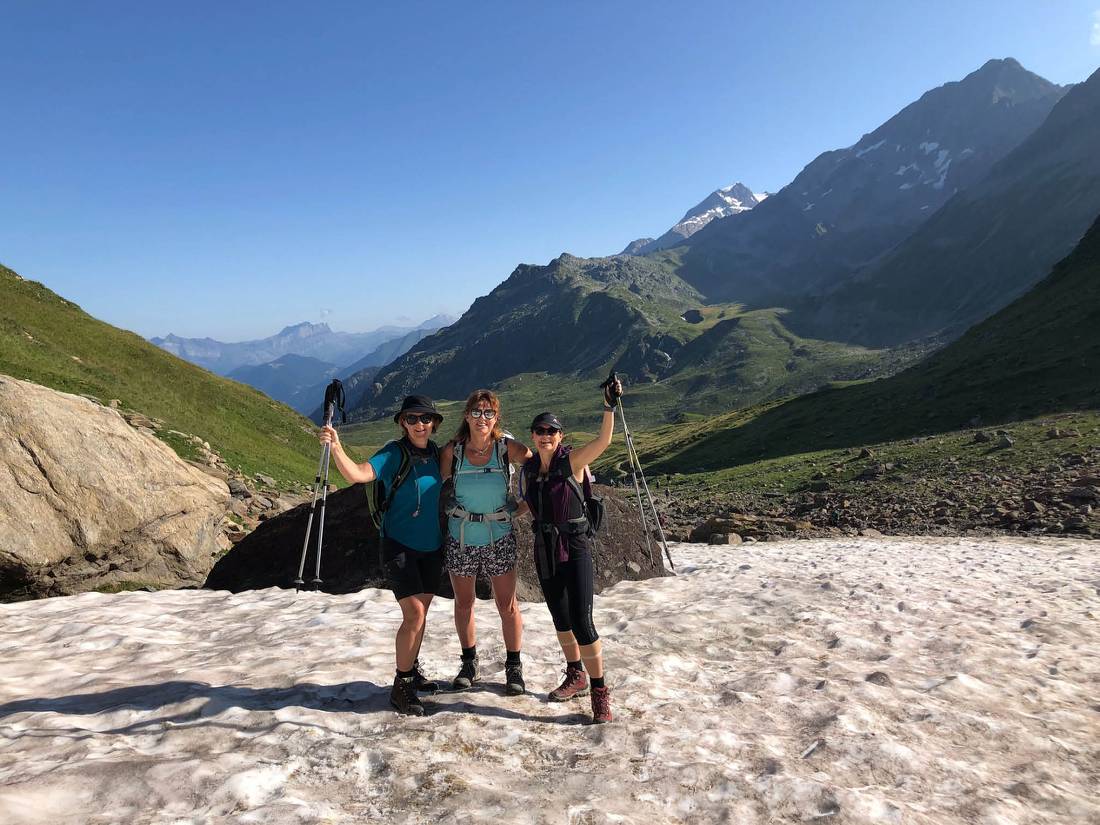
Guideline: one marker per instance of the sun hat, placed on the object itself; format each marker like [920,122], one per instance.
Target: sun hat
[417,404]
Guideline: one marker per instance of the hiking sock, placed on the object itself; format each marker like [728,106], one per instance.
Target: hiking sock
[406,674]
[469,652]
[596,681]
[577,665]
[512,658]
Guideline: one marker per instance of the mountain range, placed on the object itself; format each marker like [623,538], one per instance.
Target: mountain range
[305,339]
[850,205]
[1037,356]
[985,247]
[299,381]
[771,301]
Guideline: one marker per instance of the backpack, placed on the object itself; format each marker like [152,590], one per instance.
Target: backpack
[503,465]
[378,498]
[453,509]
[592,504]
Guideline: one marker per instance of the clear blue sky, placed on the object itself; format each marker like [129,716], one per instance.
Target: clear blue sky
[226,169]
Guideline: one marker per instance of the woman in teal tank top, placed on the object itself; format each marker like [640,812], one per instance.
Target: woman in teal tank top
[480,539]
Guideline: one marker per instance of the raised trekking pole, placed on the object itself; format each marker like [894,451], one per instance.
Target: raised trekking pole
[640,482]
[334,399]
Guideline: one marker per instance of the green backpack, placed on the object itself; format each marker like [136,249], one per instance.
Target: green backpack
[379,498]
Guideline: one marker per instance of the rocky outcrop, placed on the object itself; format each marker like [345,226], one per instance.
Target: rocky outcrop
[88,500]
[270,555]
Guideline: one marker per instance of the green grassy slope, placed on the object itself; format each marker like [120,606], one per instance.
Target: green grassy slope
[1039,355]
[52,342]
[546,336]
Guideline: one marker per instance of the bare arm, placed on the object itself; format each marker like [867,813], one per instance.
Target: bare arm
[518,452]
[580,457]
[446,459]
[583,456]
[354,473]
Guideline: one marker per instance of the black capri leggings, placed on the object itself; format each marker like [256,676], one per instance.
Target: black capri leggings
[569,595]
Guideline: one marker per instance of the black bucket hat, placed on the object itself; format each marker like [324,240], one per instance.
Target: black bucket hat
[417,404]
[547,419]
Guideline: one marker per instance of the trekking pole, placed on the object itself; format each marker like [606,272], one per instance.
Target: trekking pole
[309,524]
[637,472]
[334,398]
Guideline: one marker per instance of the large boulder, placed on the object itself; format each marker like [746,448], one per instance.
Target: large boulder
[87,501]
[271,554]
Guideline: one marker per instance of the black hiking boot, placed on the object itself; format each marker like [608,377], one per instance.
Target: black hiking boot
[513,679]
[469,673]
[422,683]
[403,696]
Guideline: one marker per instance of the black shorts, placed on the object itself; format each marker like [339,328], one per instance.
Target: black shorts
[410,572]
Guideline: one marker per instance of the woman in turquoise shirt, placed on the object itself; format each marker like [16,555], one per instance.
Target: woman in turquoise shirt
[410,533]
[479,537]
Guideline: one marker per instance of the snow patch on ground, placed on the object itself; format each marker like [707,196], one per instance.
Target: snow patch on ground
[926,681]
[871,148]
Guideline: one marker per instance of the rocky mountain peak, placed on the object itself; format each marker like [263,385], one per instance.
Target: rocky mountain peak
[304,330]
[721,203]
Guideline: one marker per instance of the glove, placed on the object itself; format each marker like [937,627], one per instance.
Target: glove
[612,392]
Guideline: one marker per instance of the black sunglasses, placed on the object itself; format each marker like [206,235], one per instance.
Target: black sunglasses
[545,430]
[423,418]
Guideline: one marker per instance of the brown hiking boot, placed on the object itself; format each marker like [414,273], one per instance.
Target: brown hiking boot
[601,705]
[575,684]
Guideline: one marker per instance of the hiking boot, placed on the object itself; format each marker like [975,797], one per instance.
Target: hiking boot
[467,674]
[513,679]
[601,705]
[422,683]
[575,684]
[403,697]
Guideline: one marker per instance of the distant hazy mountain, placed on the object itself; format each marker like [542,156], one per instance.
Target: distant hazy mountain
[286,377]
[987,245]
[307,399]
[720,203]
[305,339]
[850,205]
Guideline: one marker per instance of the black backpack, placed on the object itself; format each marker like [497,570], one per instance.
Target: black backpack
[379,498]
[591,502]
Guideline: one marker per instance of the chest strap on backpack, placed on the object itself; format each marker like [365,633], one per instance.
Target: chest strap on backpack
[551,532]
[499,516]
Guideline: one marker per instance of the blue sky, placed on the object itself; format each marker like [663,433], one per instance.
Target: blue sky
[226,169]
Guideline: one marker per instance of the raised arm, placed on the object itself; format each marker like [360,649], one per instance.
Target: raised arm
[354,473]
[582,456]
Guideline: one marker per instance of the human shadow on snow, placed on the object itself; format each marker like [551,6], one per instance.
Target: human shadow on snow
[362,697]
[351,697]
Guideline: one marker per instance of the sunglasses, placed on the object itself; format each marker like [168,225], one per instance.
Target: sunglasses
[423,418]
[488,415]
[545,430]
